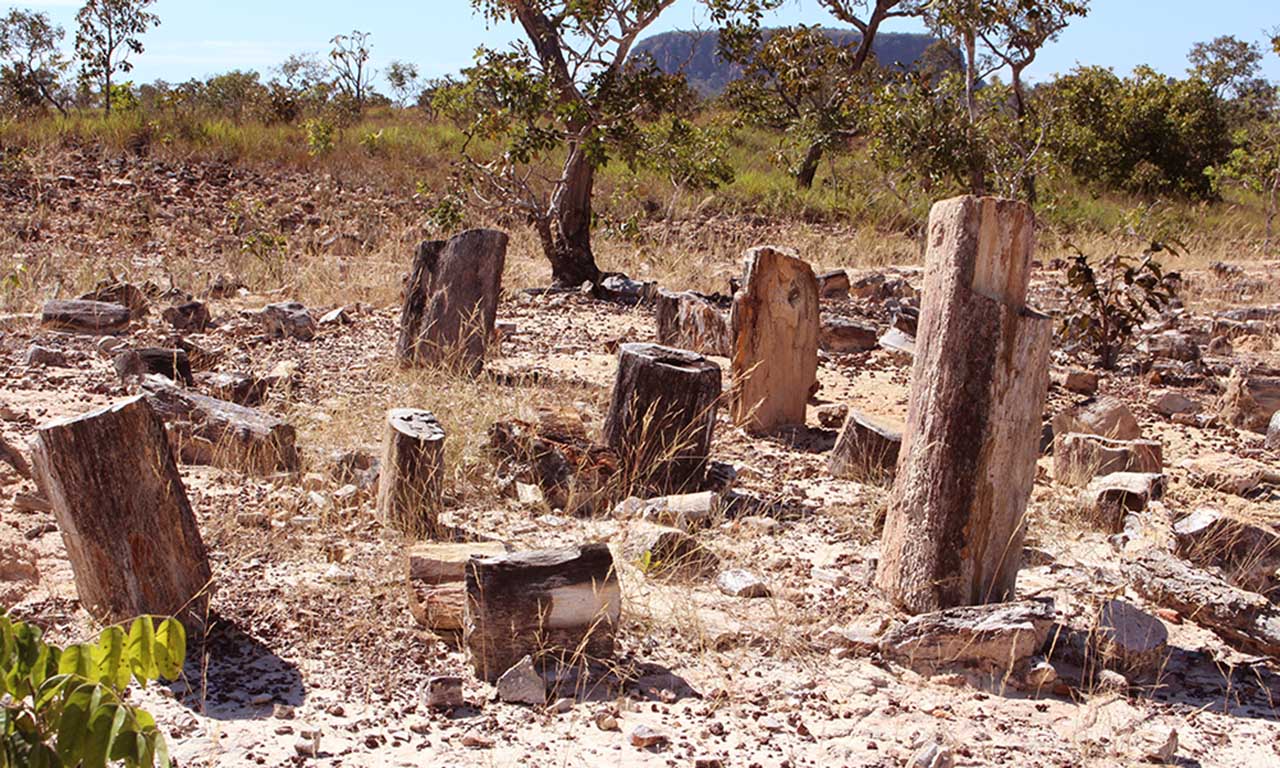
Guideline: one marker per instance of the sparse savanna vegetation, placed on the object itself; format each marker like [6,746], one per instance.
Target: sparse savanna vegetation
[758,626]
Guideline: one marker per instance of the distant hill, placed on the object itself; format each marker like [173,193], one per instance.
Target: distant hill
[697,53]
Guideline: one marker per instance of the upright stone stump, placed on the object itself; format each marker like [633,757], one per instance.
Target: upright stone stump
[451,300]
[954,529]
[561,604]
[129,531]
[689,321]
[663,415]
[412,471]
[775,328]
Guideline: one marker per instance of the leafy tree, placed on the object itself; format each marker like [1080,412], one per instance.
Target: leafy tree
[108,34]
[692,157]
[799,81]
[349,61]
[1228,64]
[402,76]
[234,93]
[33,63]
[66,706]
[570,91]
[1255,165]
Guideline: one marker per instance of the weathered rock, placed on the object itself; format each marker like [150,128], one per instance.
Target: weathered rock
[173,364]
[1078,457]
[897,342]
[126,295]
[840,336]
[686,511]
[559,604]
[1173,404]
[205,430]
[521,684]
[1273,433]
[1080,382]
[1245,619]
[834,284]
[833,416]
[954,528]
[775,323]
[38,356]
[288,319]
[1250,402]
[1248,553]
[1104,416]
[335,317]
[644,737]
[934,756]
[987,637]
[191,317]
[91,317]
[437,581]
[574,473]
[691,321]
[1108,499]
[668,553]
[866,449]
[239,388]
[1173,345]
[739,583]
[14,458]
[1130,641]
[1231,474]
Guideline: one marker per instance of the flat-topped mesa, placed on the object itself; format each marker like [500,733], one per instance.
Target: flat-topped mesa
[775,323]
[955,525]
[451,300]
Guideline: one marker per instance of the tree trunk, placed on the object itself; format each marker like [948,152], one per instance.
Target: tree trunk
[437,581]
[451,301]
[572,262]
[663,416]
[130,534]
[776,324]
[689,321]
[809,166]
[954,530]
[409,488]
[561,604]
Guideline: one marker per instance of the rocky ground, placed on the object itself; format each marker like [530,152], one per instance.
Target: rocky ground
[313,657]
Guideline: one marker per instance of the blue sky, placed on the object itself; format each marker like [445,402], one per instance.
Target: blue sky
[202,37]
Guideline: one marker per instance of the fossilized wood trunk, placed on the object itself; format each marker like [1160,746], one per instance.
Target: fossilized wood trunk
[575,474]
[409,490]
[1245,619]
[94,317]
[663,416]
[775,328]
[561,604]
[954,529]
[451,300]
[205,430]
[689,321]
[866,450]
[437,581]
[129,531]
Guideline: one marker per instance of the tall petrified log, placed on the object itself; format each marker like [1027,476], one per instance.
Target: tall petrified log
[451,300]
[409,488]
[775,321]
[954,529]
[561,604]
[662,416]
[123,512]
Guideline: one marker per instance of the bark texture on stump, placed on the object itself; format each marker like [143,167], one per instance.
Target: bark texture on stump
[560,604]
[451,300]
[689,321]
[437,581]
[954,530]
[775,327]
[663,416]
[409,488]
[129,531]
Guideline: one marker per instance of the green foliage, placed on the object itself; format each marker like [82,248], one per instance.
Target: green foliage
[31,61]
[374,143]
[1146,133]
[109,32]
[65,707]
[123,98]
[1112,296]
[319,132]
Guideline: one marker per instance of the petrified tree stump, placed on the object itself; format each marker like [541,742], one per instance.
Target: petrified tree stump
[553,604]
[123,512]
[689,321]
[209,431]
[437,581]
[954,529]
[662,416]
[866,450]
[412,471]
[451,300]
[775,327]
[95,317]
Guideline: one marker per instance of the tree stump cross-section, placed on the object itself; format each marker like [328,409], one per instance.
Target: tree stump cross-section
[955,524]
[128,527]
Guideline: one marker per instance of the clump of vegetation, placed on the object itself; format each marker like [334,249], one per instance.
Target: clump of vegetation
[1112,296]
[66,706]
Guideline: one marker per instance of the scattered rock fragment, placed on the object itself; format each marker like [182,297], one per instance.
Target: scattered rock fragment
[866,449]
[436,581]
[173,364]
[1103,416]
[644,737]
[1078,457]
[239,388]
[1249,402]
[1108,499]
[1231,474]
[1080,382]
[841,336]
[127,295]
[1172,404]
[694,322]
[1172,345]
[521,684]
[1273,433]
[833,416]
[986,637]
[443,693]
[934,756]
[288,320]
[834,284]
[742,584]
[1130,640]
[1247,552]
[88,317]
[668,552]
[191,317]
[44,357]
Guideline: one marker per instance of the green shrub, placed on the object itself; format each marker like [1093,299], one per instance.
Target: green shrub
[65,707]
